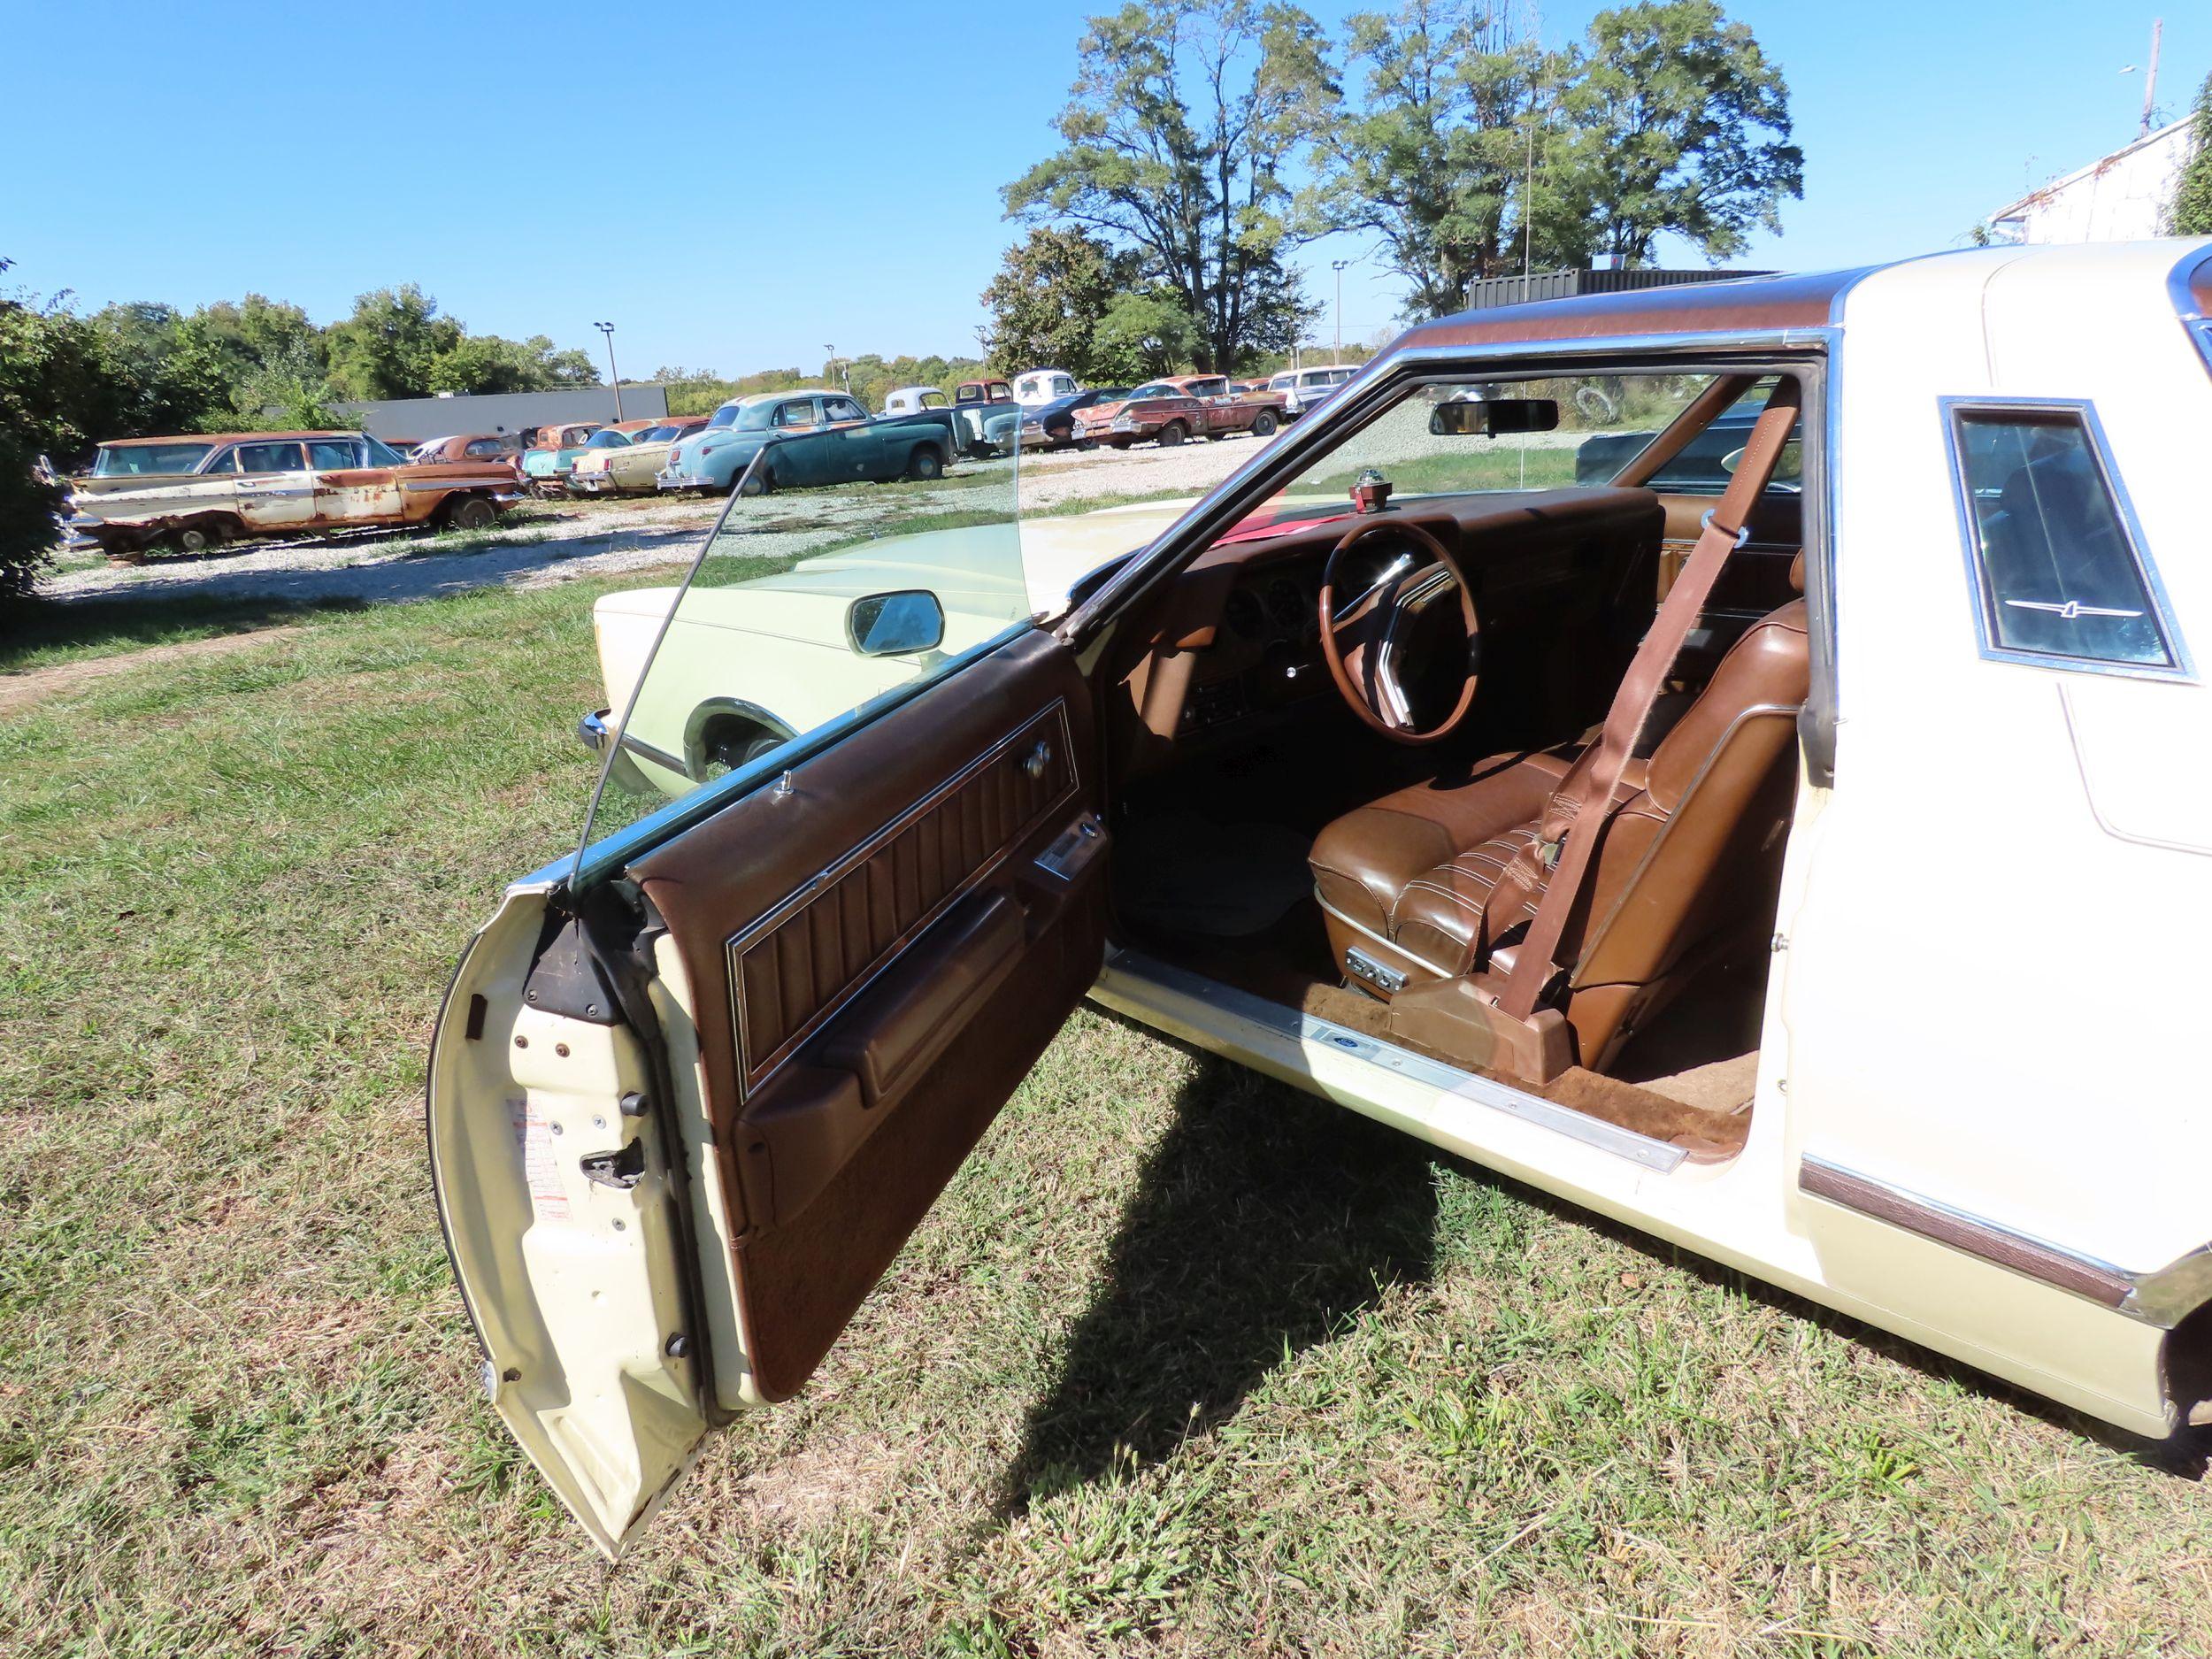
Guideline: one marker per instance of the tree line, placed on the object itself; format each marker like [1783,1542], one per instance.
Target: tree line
[1204,141]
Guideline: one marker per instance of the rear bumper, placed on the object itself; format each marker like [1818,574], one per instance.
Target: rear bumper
[591,483]
[683,481]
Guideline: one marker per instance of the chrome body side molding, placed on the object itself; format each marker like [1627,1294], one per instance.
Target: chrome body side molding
[2161,1298]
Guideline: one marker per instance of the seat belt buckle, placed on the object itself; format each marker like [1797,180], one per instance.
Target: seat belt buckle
[1548,851]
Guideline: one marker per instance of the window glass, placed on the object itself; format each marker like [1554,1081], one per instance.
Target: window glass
[222,461]
[1600,421]
[127,460]
[382,454]
[1156,390]
[484,449]
[843,409]
[270,457]
[766,644]
[608,439]
[726,415]
[334,455]
[798,413]
[2059,575]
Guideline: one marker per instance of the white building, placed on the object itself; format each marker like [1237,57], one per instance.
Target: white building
[2123,197]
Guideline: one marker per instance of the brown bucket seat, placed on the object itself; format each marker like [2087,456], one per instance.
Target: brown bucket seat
[1690,853]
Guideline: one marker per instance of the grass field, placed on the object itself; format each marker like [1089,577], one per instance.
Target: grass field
[1184,1362]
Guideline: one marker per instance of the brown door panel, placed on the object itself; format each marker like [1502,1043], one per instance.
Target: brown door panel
[877,960]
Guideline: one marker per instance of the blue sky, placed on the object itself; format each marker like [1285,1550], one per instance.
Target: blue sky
[740,185]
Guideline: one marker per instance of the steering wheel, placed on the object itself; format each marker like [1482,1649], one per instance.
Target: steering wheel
[1362,642]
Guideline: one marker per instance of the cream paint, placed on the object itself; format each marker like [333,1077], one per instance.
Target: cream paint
[575,1287]
[1966,904]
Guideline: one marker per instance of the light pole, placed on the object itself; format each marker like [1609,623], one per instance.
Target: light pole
[613,379]
[832,370]
[1338,265]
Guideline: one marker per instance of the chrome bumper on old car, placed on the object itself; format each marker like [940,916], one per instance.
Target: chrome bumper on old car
[682,480]
[79,539]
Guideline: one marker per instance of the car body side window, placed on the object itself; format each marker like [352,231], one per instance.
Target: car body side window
[484,449]
[843,409]
[798,413]
[333,455]
[270,457]
[2060,572]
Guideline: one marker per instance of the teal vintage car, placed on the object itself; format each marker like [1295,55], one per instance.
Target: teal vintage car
[805,439]
[546,466]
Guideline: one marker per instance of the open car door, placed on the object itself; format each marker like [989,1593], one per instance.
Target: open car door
[689,1096]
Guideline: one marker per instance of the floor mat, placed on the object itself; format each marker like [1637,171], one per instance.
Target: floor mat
[1192,876]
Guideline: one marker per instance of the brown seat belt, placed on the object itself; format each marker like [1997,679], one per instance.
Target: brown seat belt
[1585,795]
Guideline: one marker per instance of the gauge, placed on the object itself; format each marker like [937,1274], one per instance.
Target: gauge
[1285,605]
[1242,615]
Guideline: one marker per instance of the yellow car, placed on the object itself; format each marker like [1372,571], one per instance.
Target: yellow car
[631,467]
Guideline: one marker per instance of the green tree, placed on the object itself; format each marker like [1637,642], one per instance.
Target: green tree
[1183,115]
[167,379]
[1141,336]
[1433,152]
[1050,294]
[391,344]
[59,395]
[1469,148]
[1674,122]
[2192,214]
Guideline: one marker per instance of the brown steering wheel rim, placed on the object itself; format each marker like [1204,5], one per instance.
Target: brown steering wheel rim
[1350,689]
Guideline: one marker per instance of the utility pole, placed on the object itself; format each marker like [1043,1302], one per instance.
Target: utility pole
[2150,81]
[613,379]
[1337,357]
[835,370]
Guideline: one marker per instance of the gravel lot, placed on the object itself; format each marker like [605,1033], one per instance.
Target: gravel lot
[558,542]
[555,541]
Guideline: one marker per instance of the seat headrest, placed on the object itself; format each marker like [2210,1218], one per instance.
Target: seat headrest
[1797,572]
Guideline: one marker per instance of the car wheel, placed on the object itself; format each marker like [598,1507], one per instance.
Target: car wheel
[471,513]
[1264,424]
[925,463]
[755,481]
[195,538]
[1173,434]
[729,744]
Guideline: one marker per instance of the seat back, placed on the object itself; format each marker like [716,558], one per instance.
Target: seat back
[1692,856]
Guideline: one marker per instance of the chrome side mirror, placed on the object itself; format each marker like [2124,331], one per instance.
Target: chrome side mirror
[895,624]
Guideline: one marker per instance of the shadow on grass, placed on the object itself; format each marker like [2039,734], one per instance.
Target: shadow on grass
[36,632]
[1264,1221]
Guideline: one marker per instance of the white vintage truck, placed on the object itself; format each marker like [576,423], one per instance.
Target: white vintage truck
[1799,857]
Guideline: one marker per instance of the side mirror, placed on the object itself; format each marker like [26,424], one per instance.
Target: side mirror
[895,624]
[1494,416]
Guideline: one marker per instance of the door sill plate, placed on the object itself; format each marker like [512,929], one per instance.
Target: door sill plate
[1295,1027]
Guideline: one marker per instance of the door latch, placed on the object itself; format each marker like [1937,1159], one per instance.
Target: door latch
[621,1169]
[1038,759]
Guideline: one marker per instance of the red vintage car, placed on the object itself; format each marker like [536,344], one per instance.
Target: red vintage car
[1179,407]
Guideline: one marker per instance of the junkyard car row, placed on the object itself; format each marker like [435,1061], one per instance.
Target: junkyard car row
[1668,812]
[193,494]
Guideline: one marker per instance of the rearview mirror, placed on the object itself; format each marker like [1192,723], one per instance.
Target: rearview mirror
[895,624]
[1494,416]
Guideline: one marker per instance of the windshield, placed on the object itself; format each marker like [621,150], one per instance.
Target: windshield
[123,460]
[1586,430]
[605,440]
[851,565]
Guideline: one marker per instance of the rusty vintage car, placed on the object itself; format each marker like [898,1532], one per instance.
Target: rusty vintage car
[467,446]
[188,494]
[1178,407]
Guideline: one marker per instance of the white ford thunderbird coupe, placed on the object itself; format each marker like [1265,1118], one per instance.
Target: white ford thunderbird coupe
[1730,756]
